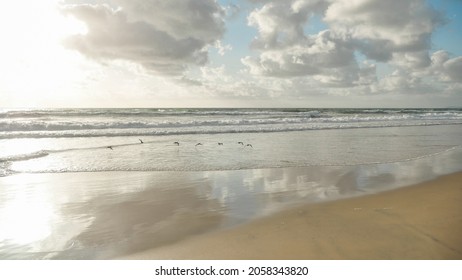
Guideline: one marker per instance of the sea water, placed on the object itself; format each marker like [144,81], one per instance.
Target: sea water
[98,183]
[76,140]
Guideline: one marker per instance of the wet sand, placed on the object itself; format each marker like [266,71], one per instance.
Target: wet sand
[422,221]
[337,212]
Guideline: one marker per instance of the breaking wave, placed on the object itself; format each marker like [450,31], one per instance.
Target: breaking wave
[125,122]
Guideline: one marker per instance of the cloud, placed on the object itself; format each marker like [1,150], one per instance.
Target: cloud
[453,69]
[381,28]
[202,20]
[163,36]
[280,23]
[323,56]
[412,60]
[286,51]
[215,74]
[314,55]
[365,47]
[232,10]
[358,34]
[446,68]
[399,79]
[222,49]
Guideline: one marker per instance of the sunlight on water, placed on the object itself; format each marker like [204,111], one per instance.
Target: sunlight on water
[26,215]
[19,147]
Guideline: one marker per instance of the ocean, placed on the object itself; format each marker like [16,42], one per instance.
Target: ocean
[100,183]
[77,140]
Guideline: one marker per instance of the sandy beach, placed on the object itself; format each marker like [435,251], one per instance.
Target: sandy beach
[421,221]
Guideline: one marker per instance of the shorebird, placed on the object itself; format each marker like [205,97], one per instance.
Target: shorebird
[242,143]
[199,144]
[141,141]
[220,144]
[176,143]
[249,145]
[109,147]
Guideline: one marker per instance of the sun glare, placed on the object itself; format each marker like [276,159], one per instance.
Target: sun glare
[26,216]
[35,64]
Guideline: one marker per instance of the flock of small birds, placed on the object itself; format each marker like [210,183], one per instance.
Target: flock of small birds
[176,143]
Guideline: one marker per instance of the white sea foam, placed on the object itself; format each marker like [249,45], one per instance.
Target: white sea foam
[20,157]
[127,122]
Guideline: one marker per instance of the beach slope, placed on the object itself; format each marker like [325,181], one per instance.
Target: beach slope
[422,221]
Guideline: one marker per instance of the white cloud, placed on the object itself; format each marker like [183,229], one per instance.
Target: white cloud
[202,20]
[215,74]
[381,28]
[163,36]
[396,32]
[280,23]
[446,68]
[286,51]
[222,49]
[318,54]
[399,80]
[453,69]
[412,60]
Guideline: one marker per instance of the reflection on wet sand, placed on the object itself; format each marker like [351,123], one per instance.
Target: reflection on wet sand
[106,214]
[98,215]
[160,214]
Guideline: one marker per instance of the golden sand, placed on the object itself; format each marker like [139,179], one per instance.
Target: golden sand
[422,221]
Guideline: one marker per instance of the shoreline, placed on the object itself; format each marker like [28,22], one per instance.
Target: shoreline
[421,221]
[159,215]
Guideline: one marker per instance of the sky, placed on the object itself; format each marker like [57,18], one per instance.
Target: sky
[231,53]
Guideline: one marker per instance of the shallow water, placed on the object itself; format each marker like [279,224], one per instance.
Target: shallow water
[269,150]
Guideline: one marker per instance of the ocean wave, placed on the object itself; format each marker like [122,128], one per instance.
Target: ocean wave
[311,117]
[216,129]
[21,157]
[125,122]
[62,126]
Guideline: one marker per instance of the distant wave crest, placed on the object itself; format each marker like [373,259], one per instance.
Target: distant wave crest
[126,122]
